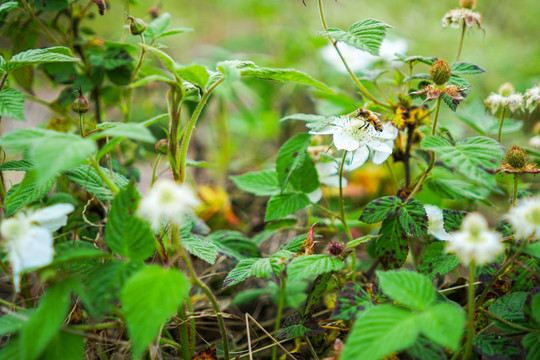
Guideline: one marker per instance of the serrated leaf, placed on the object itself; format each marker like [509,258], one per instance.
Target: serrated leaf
[12,104]
[424,349]
[531,341]
[201,248]
[26,192]
[195,74]
[17,165]
[366,35]
[241,272]
[283,75]
[455,189]
[22,139]
[443,324]
[126,234]
[435,262]
[292,331]
[87,177]
[493,346]
[260,183]
[130,131]
[282,205]
[309,266]
[452,219]
[234,244]
[510,308]
[371,333]
[407,287]
[149,298]
[463,68]
[266,268]
[413,217]
[392,247]
[351,301]
[40,56]
[380,209]
[475,157]
[305,178]
[291,156]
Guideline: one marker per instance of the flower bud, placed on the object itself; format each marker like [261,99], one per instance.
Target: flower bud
[440,72]
[506,89]
[136,26]
[80,105]
[335,248]
[162,146]
[154,12]
[516,157]
[468,4]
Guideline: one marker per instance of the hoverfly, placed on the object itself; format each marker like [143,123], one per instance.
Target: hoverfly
[370,118]
[101,6]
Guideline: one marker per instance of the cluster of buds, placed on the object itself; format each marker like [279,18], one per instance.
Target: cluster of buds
[440,73]
[465,15]
[506,97]
[517,162]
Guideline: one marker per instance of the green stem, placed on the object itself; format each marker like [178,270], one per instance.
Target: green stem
[174,100]
[279,312]
[501,122]
[189,130]
[40,24]
[184,336]
[110,183]
[470,314]
[437,109]
[81,124]
[514,195]
[343,217]
[129,90]
[3,80]
[509,323]
[361,87]
[461,40]
[191,327]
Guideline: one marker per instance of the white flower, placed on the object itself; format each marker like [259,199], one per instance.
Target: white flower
[533,98]
[436,223]
[28,237]
[525,218]
[506,97]
[475,242]
[494,101]
[514,102]
[534,141]
[454,18]
[328,174]
[166,202]
[353,133]
[358,60]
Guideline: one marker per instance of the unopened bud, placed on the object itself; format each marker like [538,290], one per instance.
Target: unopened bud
[440,72]
[136,26]
[80,105]
[335,248]
[468,4]
[516,157]
[154,12]
[162,146]
[506,89]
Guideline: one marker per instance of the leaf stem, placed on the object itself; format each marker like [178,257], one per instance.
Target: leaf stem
[461,40]
[281,303]
[515,194]
[509,323]
[4,79]
[470,314]
[81,124]
[437,109]
[343,217]
[501,121]
[110,183]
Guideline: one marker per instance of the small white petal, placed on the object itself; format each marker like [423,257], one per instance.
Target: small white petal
[356,159]
[344,141]
[436,223]
[51,217]
[379,146]
[525,218]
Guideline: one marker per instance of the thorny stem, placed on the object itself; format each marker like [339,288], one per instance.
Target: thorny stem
[501,121]
[281,303]
[189,130]
[432,159]
[514,195]
[461,40]
[470,314]
[361,87]
[40,24]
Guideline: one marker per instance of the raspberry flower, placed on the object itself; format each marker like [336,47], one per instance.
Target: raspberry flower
[436,223]
[525,218]
[457,17]
[475,242]
[506,97]
[167,202]
[28,237]
[532,97]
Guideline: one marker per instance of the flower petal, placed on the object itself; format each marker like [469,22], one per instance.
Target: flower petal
[356,159]
[344,141]
[53,217]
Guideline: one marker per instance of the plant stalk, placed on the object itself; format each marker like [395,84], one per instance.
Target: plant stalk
[470,314]
[279,312]
[515,193]
[501,121]
[461,40]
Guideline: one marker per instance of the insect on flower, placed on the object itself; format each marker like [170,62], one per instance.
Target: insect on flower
[101,6]
[370,118]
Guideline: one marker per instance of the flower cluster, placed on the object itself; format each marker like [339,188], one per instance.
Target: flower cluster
[525,218]
[456,17]
[506,97]
[28,237]
[532,97]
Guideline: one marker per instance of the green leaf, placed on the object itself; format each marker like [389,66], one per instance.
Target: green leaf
[130,131]
[45,322]
[285,204]
[87,177]
[413,217]
[234,244]
[26,192]
[366,35]
[126,234]
[11,323]
[351,302]
[158,25]
[483,122]
[23,139]
[283,75]
[535,306]
[510,308]
[195,74]
[443,324]
[241,272]
[266,267]
[64,346]
[455,189]
[463,68]
[493,346]
[435,262]
[8,6]
[174,31]
[408,288]
[78,253]
[17,165]
[462,84]
[40,56]
[381,331]
[260,183]
[291,156]
[201,248]
[452,219]
[392,247]
[533,249]
[293,331]
[380,209]
[306,178]
[531,341]
[309,266]
[12,104]
[475,157]
[424,349]
[149,298]
[169,63]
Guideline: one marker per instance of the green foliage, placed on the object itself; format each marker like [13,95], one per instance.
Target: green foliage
[291,156]
[65,346]
[260,183]
[201,248]
[241,272]
[285,204]
[452,219]
[11,323]
[413,217]
[282,75]
[12,104]
[308,266]
[380,209]
[443,324]
[149,298]
[39,56]
[392,247]
[365,35]
[494,346]
[130,131]
[531,341]
[462,68]
[408,288]
[351,302]
[26,192]
[435,262]
[126,234]
[510,308]
[456,189]
[87,177]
